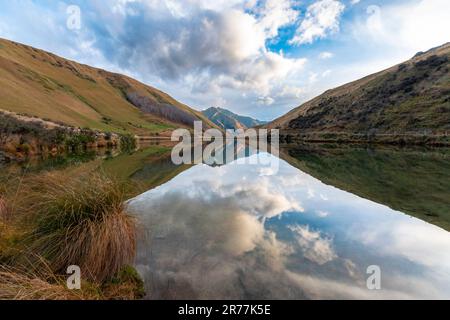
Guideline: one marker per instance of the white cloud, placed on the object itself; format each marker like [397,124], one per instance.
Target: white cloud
[326,55]
[270,202]
[322,214]
[418,248]
[238,35]
[276,14]
[313,77]
[322,18]
[120,7]
[322,288]
[353,2]
[266,100]
[291,91]
[409,27]
[315,246]
[326,73]
[205,48]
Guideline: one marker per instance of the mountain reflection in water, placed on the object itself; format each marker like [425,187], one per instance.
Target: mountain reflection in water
[247,232]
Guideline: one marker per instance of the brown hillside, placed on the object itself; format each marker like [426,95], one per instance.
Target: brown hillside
[412,98]
[37,83]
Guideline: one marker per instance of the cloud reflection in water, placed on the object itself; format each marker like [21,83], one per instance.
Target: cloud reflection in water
[238,232]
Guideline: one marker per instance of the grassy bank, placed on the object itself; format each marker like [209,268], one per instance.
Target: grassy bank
[398,139]
[22,137]
[54,221]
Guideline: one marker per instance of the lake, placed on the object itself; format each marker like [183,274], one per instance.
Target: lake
[315,228]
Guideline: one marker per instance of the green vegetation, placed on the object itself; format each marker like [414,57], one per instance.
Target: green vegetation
[124,166]
[147,168]
[22,136]
[128,142]
[78,140]
[10,126]
[126,284]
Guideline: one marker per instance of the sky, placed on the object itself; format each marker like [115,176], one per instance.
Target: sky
[255,57]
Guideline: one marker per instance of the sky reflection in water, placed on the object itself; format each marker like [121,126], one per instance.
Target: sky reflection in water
[245,232]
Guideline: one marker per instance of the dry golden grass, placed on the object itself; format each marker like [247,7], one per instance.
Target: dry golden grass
[41,84]
[81,221]
[55,221]
[19,284]
[3,208]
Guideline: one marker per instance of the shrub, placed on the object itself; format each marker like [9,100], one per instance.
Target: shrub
[79,140]
[106,120]
[127,142]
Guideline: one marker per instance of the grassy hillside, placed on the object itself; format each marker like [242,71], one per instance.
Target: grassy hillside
[226,119]
[41,84]
[412,98]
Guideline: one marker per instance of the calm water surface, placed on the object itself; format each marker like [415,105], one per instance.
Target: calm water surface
[244,231]
[309,230]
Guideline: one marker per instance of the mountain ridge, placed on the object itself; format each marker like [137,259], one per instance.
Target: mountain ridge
[38,83]
[227,119]
[408,99]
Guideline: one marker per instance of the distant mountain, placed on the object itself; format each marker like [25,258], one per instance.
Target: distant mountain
[226,119]
[410,102]
[37,83]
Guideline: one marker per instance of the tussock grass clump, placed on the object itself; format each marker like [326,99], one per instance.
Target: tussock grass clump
[54,220]
[81,221]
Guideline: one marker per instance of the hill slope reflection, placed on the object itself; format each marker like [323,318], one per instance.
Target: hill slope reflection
[414,181]
[241,231]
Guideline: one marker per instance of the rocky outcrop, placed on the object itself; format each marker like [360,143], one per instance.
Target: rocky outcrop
[162,110]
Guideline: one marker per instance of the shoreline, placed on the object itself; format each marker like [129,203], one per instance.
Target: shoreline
[22,137]
[400,139]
